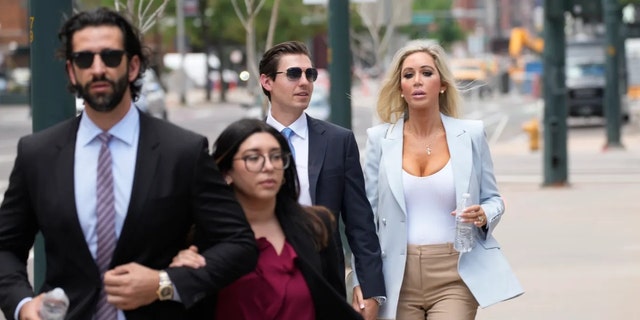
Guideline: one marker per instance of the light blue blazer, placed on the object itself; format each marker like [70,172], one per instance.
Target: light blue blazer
[484,270]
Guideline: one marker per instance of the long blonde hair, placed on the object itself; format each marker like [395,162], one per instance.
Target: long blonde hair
[391,106]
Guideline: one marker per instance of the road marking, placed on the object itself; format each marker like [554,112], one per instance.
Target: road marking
[572,179]
[499,128]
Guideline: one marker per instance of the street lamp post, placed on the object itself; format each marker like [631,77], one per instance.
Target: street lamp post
[340,63]
[48,83]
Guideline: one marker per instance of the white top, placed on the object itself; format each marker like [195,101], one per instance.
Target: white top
[300,141]
[430,201]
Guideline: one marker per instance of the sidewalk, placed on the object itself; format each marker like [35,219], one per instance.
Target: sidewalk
[575,249]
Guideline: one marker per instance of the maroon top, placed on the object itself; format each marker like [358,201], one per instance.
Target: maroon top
[274,290]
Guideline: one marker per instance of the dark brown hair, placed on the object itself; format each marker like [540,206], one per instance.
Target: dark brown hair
[312,219]
[270,60]
[105,17]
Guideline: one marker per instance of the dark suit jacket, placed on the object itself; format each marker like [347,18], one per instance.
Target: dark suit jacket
[176,184]
[336,181]
[320,270]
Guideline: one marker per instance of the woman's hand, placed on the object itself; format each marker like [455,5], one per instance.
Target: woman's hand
[474,214]
[368,308]
[189,258]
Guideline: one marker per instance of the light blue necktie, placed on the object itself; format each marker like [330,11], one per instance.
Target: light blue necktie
[288,133]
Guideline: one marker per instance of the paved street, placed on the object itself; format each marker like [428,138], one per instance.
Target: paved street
[574,248]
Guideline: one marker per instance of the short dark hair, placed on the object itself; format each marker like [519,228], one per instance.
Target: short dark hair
[271,58]
[105,17]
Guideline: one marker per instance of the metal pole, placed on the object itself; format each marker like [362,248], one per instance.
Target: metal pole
[340,63]
[50,101]
[555,99]
[612,17]
[180,45]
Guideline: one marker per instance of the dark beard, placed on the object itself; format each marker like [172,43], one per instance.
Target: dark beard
[104,102]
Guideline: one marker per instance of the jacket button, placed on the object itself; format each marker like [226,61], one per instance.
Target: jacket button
[384,221]
[383,254]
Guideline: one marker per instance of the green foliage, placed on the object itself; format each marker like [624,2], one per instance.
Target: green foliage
[225,26]
[626,2]
[444,29]
[432,5]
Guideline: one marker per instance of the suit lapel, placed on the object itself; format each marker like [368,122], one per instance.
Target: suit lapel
[64,174]
[146,164]
[460,148]
[300,241]
[392,161]
[317,150]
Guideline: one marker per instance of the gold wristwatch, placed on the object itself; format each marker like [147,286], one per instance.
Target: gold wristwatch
[165,289]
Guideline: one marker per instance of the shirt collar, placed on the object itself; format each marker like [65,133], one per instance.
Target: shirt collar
[124,130]
[299,127]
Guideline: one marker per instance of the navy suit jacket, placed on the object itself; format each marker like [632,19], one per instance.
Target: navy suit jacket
[320,270]
[336,181]
[176,184]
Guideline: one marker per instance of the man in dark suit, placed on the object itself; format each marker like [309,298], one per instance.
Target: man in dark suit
[328,162]
[115,194]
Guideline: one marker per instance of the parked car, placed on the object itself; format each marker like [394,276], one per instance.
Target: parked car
[319,106]
[151,99]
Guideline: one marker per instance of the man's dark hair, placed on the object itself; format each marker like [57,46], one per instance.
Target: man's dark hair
[271,58]
[105,17]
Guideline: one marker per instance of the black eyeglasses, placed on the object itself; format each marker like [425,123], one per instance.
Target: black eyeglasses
[255,162]
[295,73]
[110,58]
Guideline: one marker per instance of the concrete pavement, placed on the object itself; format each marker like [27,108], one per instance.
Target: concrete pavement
[576,249]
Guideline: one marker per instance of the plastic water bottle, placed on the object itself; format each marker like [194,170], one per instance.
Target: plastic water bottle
[465,239]
[54,305]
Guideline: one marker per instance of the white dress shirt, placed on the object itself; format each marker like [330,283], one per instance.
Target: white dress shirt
[300,141]
[124,149]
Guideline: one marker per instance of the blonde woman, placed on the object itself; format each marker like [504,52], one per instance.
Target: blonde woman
[418,164]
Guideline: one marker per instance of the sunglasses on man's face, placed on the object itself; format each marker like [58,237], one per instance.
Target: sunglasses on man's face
[295,73]
[110,58]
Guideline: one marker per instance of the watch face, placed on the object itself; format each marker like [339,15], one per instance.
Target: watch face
[166,291]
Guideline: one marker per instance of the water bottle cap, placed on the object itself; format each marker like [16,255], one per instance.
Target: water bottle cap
[58,294]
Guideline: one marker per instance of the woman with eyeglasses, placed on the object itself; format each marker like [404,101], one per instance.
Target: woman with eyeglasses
[297,273]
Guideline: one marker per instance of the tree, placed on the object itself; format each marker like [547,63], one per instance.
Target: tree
[380,19]
[143,15]
[247,18]
[272,23]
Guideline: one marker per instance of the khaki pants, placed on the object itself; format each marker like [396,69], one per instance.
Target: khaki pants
[431,288]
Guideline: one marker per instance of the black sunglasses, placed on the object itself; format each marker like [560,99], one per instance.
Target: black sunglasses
[84,59]
[295,73]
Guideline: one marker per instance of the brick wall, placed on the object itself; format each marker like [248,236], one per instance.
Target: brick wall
[13,22]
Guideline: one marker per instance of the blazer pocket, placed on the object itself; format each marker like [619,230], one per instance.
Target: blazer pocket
[489,243]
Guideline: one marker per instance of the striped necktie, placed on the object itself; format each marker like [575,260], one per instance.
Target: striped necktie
[105,225]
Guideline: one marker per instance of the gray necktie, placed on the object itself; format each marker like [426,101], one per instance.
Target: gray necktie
[288,133]
[105,225]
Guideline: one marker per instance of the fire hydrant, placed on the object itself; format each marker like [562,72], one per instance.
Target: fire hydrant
[532,128]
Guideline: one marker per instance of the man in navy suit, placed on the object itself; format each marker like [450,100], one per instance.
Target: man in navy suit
[328,163]
[115,193]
